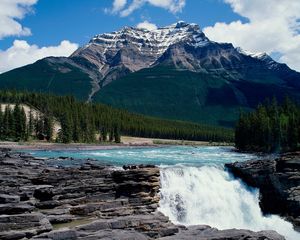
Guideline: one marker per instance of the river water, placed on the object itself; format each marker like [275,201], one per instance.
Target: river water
[195,187]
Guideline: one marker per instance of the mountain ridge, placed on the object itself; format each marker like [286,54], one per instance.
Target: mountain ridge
[132,49]
[218,75]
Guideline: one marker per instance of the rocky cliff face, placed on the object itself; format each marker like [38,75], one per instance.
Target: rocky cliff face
[131,49]
[181,45]
[278,181]
[41,199]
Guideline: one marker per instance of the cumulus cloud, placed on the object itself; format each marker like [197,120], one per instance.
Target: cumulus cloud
[22,53]
[273,27]
[125,8]
[146,25]
[11,11]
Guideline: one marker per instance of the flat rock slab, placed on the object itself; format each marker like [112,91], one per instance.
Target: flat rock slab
[21,225]
[5,198]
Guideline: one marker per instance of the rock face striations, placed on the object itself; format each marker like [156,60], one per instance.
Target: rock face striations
[181,45]
[42,199]
[131,49]
[278,181]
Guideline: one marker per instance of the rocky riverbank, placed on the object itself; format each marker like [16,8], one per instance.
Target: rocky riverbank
[278,181]
[43,199]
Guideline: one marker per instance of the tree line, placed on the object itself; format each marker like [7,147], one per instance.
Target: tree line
[272,127]
[89,122]
[15,126]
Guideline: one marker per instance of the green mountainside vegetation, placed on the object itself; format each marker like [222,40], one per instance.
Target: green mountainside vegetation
[45,77]
[165,92]
[82,122]
[212,99]
[271,128]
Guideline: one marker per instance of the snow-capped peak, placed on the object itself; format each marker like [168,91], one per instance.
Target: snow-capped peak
[157,39]
[137,48]
[259,55]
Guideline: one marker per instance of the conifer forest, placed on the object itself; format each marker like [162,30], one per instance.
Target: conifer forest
[272,127]
[88,123]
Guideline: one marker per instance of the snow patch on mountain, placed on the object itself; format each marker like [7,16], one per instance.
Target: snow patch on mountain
[261,56]
[182,45]
[157,40]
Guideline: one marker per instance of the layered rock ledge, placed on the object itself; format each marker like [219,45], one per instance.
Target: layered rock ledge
[46,199]
[278,181]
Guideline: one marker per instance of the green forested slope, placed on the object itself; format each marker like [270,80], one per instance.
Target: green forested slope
[59,79]
[199,97]
[81,121]
[211,98]
[173,94]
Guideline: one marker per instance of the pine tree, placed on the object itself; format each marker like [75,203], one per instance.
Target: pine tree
[117,135]
[5,122]
[12,125]
[104,134]
[39,128]
[1,123]
[277,132]
[23,125]
[76,129]
[111,135]
[48,127]
[66,130]
[17,133]
[30,126]
[292,133]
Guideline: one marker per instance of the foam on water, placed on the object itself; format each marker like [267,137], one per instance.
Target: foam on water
[209,195]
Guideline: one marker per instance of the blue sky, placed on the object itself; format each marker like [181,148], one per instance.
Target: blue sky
[33,29]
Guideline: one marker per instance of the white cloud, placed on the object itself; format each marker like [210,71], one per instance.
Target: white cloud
[118,5]
[125,8]
[273,26]
[10,12]
[21,53]
[147,25]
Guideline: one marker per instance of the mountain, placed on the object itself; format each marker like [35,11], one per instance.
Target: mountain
[173,72]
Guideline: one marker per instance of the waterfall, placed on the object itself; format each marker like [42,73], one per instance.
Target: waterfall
[209,195]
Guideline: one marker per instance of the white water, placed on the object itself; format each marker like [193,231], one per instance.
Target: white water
[209,195]
[195,188]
